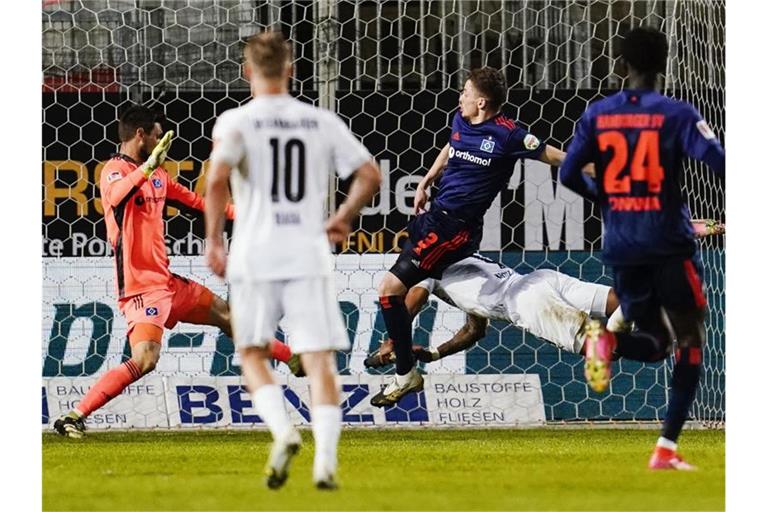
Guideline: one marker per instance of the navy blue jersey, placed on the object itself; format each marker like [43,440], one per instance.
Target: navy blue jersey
[638,140]
[481,160]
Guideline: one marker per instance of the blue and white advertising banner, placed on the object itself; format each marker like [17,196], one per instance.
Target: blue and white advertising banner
[84,333]
[195,402]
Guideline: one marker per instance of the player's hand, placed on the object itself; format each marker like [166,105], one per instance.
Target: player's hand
[158,155]
[216,257]
[420,200]
[338,228]
[422,354]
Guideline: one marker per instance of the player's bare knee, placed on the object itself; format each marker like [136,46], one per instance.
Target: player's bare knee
[391,285]
[147,366]
[145,354]
[254,353]
[146,361]
[384,288]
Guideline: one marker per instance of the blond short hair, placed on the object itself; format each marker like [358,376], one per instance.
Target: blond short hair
[268,53]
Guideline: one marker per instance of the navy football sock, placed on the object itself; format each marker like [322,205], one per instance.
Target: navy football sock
[398,323]
[685,380]
[639,346]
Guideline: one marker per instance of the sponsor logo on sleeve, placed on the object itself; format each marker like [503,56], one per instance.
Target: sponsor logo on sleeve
[531,142]
[705,130]
[487,145]
[152,311]
[113,176]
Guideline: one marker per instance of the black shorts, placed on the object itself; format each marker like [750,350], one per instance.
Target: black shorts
[436,239]
[675,285]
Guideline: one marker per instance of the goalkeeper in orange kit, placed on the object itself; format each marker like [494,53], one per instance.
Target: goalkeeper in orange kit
[134,189]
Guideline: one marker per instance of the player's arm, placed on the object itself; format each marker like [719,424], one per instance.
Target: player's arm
[552,156]
[574,173]
[473,331]
[420,199]
[415,299]
[699,142]
[180,193]
[116,187]
[555,157]
[228,151]
[217,191]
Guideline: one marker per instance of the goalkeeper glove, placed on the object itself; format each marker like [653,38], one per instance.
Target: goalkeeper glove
[158,155]
[707,227]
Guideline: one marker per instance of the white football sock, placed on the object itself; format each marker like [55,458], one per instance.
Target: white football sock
[326,428]
[270,405]
[617,323]
[663,442]
[404,380]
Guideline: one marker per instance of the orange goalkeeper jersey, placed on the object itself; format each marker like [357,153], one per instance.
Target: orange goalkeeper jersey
[133,211]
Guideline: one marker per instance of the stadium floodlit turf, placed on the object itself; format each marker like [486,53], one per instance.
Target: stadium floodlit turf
[552,469]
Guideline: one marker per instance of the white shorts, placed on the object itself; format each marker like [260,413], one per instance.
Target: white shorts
[554,306]
[308,308]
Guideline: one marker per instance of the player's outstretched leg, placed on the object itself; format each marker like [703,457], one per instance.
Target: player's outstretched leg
[144,357]
[270,405]
[600,345]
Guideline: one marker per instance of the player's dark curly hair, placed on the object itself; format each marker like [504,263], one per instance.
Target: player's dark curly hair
[135,117]
[645,49]
[491,84]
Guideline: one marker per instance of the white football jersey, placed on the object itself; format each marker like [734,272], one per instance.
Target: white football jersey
[475,285]
[548,304]
[282,152]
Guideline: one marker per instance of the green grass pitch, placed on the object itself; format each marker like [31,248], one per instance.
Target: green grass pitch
[540,469]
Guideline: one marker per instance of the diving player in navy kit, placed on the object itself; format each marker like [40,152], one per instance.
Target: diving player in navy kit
[637,140]
[475,165]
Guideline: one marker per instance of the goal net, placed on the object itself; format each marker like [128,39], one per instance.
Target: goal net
[392,70]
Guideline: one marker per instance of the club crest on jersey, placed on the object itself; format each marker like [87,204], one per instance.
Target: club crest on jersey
[456,136]
[157,182]
[113,176]
[531,142]
[151,311]
[487,145]
[705,130]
